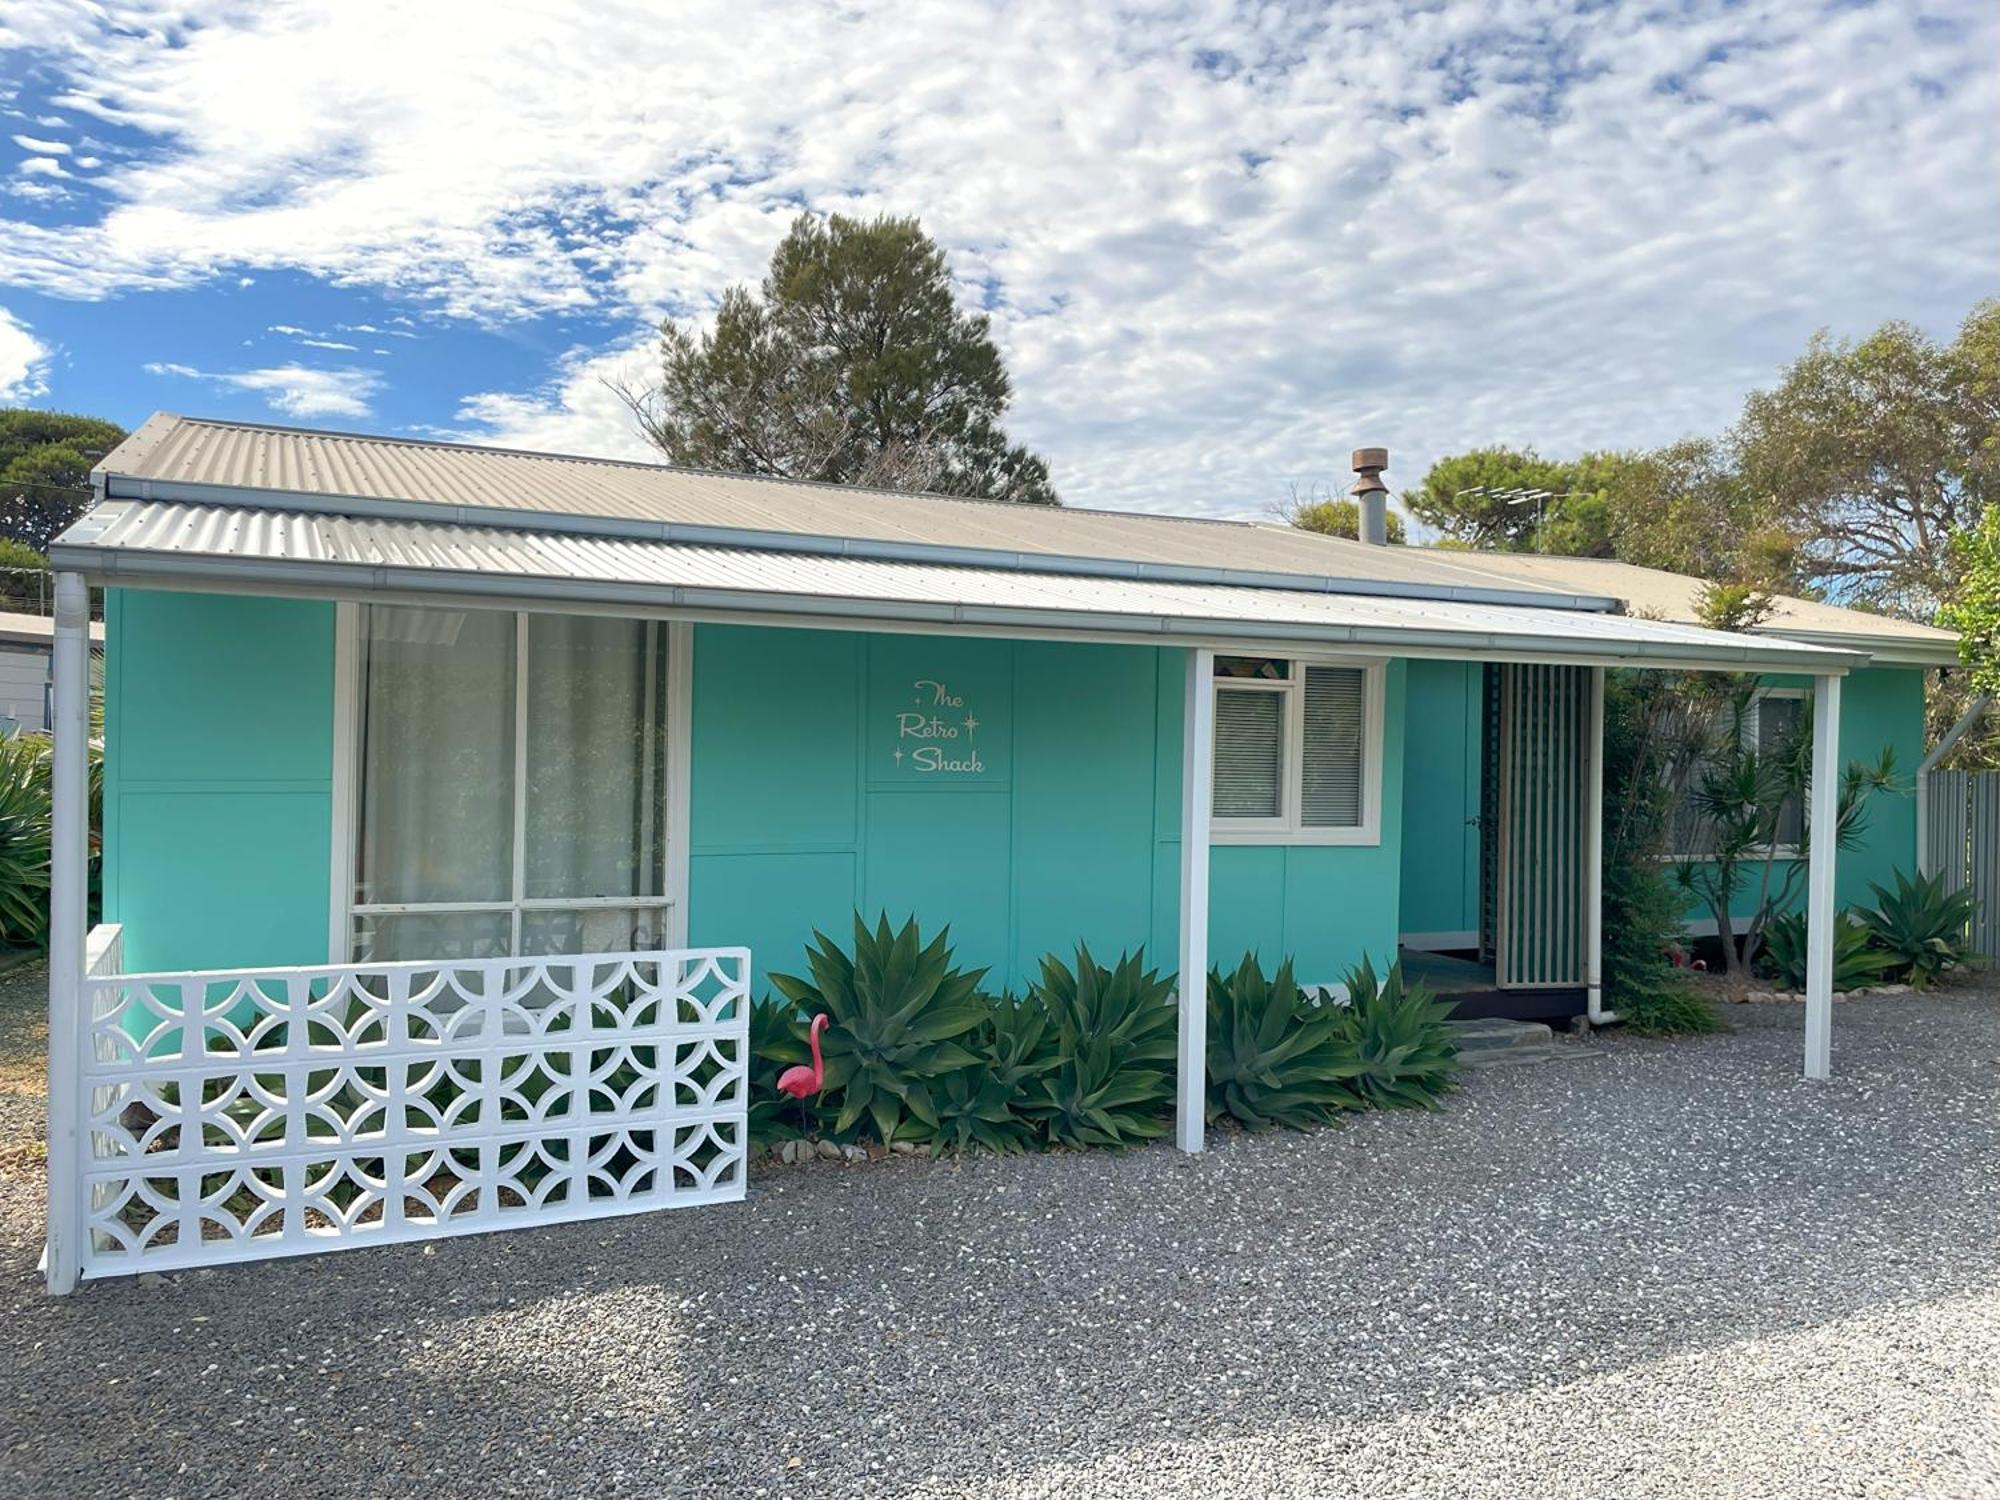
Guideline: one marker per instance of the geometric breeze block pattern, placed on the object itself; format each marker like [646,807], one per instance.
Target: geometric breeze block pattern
[233,1115]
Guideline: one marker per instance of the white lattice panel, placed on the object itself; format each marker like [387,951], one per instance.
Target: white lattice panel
[248,1113]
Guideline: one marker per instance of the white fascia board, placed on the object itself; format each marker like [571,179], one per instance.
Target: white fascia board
[365,581]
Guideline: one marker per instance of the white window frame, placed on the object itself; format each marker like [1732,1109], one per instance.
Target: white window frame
[671,903]
[1287,828]
[1747,733]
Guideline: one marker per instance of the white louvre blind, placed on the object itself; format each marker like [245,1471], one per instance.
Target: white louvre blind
[1249,753]
[1330,769]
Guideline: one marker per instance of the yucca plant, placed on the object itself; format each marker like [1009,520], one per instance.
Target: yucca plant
[1922,926]
[986,1104]
[1274,1057]
[1856,962]
[1111,1082]
[899,1010]
[1402,1051]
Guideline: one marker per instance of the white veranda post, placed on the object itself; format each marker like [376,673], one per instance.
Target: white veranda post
[1593,862]
[1825,794]
[69,856]
[1197,790]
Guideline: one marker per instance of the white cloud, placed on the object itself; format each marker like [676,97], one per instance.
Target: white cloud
[294,390]
[24,361]
[42,166]
[577,411]
[1221,244]
[41,147]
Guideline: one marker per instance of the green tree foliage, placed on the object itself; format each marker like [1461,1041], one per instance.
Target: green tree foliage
[1458,497]
[45,463]
[1643,921]
[1975,611]
[1875,454]
[1329,515]
[851,363]
[1848,479]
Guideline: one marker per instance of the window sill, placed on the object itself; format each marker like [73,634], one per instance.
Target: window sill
[1337,838]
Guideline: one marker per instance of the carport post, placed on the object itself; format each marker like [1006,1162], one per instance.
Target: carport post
[1823,827]
[1197,792]
[69,861]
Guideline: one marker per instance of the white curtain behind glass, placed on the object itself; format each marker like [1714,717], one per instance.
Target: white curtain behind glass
[437,756]
[596,762]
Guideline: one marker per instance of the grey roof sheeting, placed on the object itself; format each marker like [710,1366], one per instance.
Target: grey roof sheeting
[1675,596]
[222,463]
[164,543]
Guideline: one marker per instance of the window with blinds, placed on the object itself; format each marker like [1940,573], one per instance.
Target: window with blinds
[1330,764]
[1772,723]
[1249,753]
[1293,743]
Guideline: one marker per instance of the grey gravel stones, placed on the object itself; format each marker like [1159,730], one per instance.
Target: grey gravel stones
[1680,1269]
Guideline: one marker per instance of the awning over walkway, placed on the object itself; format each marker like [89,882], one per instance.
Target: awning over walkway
[228,548]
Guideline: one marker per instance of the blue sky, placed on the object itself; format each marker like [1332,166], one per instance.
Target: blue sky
[1221,244]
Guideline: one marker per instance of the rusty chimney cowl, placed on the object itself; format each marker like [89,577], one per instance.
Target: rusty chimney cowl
[1371,495]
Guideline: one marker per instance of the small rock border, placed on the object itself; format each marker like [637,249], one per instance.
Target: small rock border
[798,1153]
[1792,997]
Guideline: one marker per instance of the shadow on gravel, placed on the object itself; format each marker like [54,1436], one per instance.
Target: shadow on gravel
[961,1321]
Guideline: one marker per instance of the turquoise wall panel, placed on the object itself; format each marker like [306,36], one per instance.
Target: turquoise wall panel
[1085,753]
[223,879]
[1440,874]
[771,902]
[946,859]
[1027,826]
[775,739]
[218,776]
[1065,830]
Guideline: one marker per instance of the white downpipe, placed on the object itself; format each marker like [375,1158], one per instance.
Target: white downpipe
[69,858]
[1819,877]
[1593,862]
[1974,711]
[1197,791]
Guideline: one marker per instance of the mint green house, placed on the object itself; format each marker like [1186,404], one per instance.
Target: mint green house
[371,700]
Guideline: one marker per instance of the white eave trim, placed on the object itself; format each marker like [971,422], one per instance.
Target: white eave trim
[362,581]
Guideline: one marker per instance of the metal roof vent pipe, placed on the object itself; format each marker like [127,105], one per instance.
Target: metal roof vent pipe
[1371,495]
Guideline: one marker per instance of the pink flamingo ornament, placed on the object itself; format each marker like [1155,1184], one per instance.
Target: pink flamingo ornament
[800,1080]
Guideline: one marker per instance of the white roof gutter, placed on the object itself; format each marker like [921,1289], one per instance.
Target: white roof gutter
[138,567]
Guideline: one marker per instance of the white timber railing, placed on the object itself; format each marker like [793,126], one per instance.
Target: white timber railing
[231,1115]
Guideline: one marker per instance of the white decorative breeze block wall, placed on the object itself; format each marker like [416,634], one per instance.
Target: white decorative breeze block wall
[236,1115]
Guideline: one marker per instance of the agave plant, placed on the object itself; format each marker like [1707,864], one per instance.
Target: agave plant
[1110,1083]
[899,1010]
[985,1105]
[777,1042]
[1401,1050]
[1922,926]
[1274,1057]
[1856,961]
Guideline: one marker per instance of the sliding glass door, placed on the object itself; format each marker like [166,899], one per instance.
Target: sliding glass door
[511,784]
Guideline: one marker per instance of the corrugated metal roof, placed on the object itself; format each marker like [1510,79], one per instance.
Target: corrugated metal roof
[188,459]
[1675,596]
[137,542]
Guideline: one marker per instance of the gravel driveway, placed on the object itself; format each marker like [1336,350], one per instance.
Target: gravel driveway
[1649,1269]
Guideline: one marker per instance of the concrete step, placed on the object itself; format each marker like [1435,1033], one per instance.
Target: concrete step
[1505,1044]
